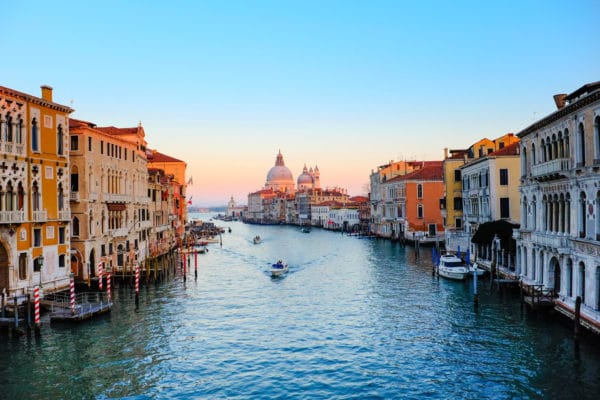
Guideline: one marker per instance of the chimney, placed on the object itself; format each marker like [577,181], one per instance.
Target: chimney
[559,100]
[46,93]
[445,153]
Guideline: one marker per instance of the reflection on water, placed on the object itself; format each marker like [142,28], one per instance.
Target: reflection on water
[352,318]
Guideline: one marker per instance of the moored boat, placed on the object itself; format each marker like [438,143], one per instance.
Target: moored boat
[256,239]
[452,267]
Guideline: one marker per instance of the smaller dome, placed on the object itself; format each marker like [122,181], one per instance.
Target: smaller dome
[305,179]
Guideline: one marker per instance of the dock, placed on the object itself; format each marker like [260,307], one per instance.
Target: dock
[87,305]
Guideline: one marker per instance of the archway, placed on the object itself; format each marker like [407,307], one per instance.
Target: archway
[4,281]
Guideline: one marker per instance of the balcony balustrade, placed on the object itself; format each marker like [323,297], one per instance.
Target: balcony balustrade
[40,216]
[554,241]
[118,232]
[64,215]
[12,216]
[93,196]
[75,196]
[557,167]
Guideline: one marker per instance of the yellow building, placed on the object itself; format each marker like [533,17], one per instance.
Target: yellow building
[34,192]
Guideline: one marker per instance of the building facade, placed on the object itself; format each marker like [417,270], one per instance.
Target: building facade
[559,239]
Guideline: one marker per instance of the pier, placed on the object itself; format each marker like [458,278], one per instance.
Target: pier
[86,306]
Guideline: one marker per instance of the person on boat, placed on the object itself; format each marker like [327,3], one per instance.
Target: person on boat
[279,264]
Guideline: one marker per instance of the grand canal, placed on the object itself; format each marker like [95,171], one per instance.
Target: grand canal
[353,318]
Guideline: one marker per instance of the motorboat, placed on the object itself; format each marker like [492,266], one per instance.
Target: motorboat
[278,269]
[452,267]
[306,229]
[256,239]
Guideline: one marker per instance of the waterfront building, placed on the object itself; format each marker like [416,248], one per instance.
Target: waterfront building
[414,212]
[490,192]
[176,168]
[256,210]
[456,234]
[384,215]
[559,238]
[34,192]
[162,237]
[235,211]
[110,218]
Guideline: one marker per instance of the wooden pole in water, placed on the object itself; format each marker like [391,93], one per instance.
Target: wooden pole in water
[577,318]
[475,295]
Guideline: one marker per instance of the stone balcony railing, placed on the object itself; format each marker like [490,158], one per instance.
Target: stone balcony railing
[12,216]
[118,232]
[64,215]
[40,216]
[13,148]
[145,224]
[551,168]
[554,241]
[75,196]
[93,196]
[115,197]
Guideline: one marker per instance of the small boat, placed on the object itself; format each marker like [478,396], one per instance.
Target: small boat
[229,230]
[278,269]
[256,239]
[452,267]
[306,229]
[474,270]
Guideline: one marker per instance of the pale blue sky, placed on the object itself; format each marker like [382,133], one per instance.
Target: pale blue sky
[345,85]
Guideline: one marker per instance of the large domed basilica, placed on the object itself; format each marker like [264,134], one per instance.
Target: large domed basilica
[279,178]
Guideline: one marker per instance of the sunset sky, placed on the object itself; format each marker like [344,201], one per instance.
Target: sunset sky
[345,85]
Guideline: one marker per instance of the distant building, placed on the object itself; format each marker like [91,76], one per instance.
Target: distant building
[235,211]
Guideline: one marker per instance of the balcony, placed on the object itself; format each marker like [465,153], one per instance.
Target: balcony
[554,169]
[12,216]
[555,241]
[75,197]
[40,216]
[145,224]
[14,148]
[93,196]
[64,215]
[115,197]
[118,232]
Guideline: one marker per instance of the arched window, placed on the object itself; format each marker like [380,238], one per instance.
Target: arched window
[419,191]
[9,197]
[543,151]
[34,136]
[568,213]
[524,214]
[582,218]
[581,286]
[580,145]
[533,214]
[533,153]
[75,227]
[561,146]
[569,278]
[420,211]
[554,147]
[60,139]
[61,197]
[597,140]
[35,197]
[567,146]
[524,165]
[549,149]
[19,132]
[9,128]
[74,179]
[20,197]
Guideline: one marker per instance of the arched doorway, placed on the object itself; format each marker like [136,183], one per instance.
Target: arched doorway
[4,282]
[76,265]
[555,274]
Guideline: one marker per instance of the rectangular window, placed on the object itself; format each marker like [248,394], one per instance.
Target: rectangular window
[102,147]
[61,261]
[458,223]
[457,175]
[458,203]
[503,176]
[419,211]
[74,142]
[89,144]
[61,235]
[504,207]
[37,237]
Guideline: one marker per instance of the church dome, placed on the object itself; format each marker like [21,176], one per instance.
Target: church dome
[280,177]
[305,179]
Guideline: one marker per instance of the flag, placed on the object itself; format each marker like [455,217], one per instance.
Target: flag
[190,201]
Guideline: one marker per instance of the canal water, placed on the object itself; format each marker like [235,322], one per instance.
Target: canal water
[353,318]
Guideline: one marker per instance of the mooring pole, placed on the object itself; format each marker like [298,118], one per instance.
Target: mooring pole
[577,318]
[475,295]
[36,310]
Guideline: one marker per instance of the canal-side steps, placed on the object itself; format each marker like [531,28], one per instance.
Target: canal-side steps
[86,306]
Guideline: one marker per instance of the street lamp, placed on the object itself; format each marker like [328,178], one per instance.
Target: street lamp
[40,261]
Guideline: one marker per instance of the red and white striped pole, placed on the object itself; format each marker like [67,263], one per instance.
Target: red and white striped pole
[137,285]
[108,288]
[72,284]
[184,269]
[36,308]
[100,271]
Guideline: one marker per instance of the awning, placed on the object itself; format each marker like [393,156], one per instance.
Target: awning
[486,232]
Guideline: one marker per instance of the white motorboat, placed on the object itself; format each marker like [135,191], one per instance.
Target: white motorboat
[452,267]
[278,269]
[256,239]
